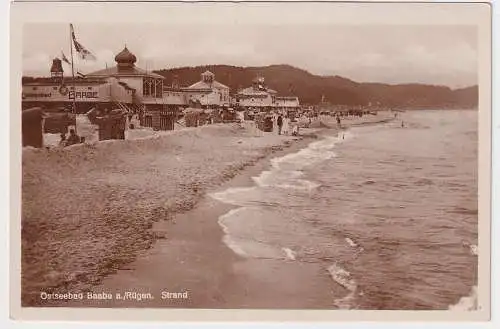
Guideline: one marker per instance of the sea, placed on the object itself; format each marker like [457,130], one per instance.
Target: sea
[389,212]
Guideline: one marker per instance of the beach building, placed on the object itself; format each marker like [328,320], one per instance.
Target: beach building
[147,87]
[124,86]
[147,100]
[57,91]
[287,103]
[175,96]
[262,98]
[256,97]
[208,91]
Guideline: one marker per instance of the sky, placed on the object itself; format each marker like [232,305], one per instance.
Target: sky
[439,54]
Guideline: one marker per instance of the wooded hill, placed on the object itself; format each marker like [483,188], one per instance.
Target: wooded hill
[310,88]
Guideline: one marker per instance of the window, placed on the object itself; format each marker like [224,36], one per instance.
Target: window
[35,88]
[158,88]
[152,87]
[89,88]
[54,88]
[147,87]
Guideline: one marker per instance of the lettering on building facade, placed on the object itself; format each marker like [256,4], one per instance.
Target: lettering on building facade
[36,95]
[82,94]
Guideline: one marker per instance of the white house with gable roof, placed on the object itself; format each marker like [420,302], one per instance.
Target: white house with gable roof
[208,91]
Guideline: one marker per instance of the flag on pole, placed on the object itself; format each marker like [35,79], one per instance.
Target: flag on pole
[80,49]
[64,58]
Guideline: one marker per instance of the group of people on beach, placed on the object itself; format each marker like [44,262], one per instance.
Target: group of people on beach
[72,139]
[284,124]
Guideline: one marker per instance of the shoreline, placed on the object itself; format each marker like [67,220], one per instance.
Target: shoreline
[200,211]
[195,259]
[115,232]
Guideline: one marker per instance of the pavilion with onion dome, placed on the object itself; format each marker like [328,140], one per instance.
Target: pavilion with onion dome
[148,86]
[147,91]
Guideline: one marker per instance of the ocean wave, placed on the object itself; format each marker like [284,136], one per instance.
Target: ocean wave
[252,249]
[285,173]
[242,246]
[314,153]
[231,244]
[297,184]
[287,170]
[466,303]
[351,243]
[286,179]
[301,184]
[239,196]
[275,177]
[302,159]
[227,215]
[227,239]
[289,253]
[343,278]
[473,249]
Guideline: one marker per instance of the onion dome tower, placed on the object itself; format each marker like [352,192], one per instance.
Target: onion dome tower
[56,70]
[259,83]
[207,77]
[125,60]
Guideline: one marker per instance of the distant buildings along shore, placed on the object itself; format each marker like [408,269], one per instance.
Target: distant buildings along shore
[135,90]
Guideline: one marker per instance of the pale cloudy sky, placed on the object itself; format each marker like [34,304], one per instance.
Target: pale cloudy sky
[445,55]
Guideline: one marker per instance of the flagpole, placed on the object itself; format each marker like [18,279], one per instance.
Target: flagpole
[72,70]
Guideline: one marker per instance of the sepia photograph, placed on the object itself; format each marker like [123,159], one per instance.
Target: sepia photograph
[253,156]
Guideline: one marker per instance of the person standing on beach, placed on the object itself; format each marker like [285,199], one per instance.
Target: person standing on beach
[286,124]
[295,129]
[279,121]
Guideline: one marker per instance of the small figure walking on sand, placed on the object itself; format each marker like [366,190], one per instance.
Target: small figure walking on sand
[279,121]
[338,121]
[402,124]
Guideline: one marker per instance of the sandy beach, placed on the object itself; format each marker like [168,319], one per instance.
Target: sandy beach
[134,216]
